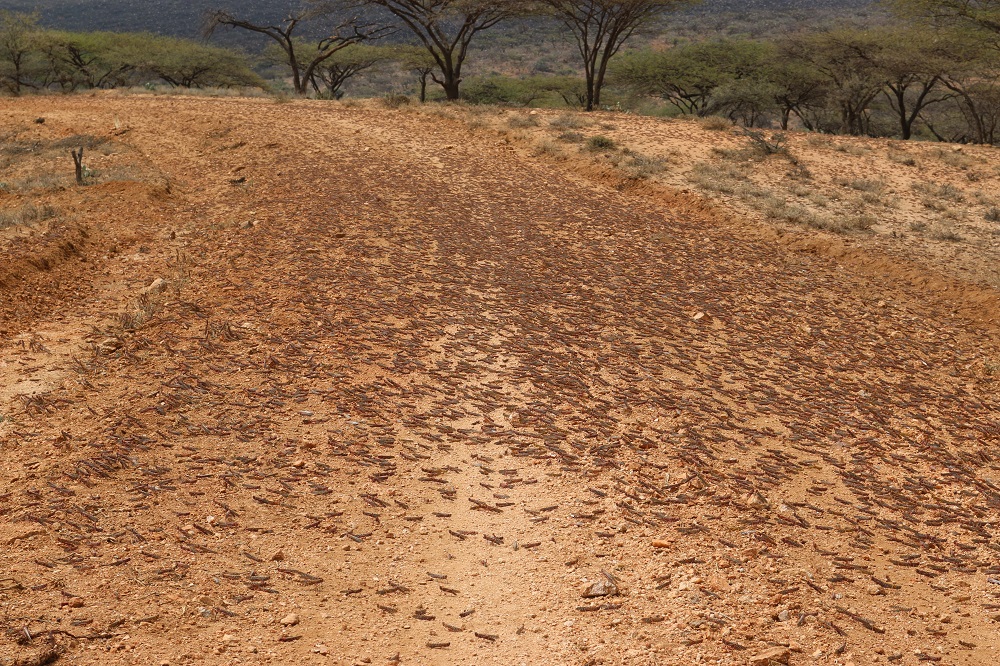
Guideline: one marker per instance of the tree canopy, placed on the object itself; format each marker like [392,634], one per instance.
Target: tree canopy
[446,29]
[601,28]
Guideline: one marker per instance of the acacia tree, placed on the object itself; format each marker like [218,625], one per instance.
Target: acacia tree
[188,64]
[691,77]
[331,76]
[347,31]
[447,27]
[912,64]
[846,58]
[980,14]
[90,59]
[600,28]
[799,90]
[18,36]
[417,60]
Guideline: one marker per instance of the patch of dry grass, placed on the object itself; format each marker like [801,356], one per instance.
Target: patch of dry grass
[27,213]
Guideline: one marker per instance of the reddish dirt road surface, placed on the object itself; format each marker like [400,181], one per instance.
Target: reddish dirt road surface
[406,395]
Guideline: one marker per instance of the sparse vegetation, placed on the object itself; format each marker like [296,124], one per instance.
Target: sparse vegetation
[902,158]
[521,121]
[764,145]
[395,101]
[946,234]
[27,213]
[716,124]
[567,121]
[945,191]
[600,143]
[571,137]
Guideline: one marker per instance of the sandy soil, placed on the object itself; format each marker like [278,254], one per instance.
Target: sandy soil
[405,393]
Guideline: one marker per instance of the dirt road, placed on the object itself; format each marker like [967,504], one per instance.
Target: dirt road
[407,395]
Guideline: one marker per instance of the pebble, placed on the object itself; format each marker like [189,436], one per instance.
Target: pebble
[290,620]
[109,346]
[157,286]
[601,588]
[776,655]
[757,501]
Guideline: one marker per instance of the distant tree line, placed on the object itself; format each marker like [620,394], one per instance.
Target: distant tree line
[934,72]
[35,59]
[445,29]
[901,81]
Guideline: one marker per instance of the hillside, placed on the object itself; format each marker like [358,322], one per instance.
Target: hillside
[321,383]
[183,17]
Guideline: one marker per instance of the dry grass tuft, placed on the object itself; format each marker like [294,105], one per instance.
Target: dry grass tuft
[27,214]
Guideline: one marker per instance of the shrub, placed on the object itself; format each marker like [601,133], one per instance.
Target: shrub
[566,121]
[945,191]
[599,142]
[571,137]
[522,121]
[26,214]
[992,214]
[866,185]
[395,101]
[946,234]
[765,145]
[716,124]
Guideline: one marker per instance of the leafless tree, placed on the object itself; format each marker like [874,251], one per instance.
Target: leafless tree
[347,31]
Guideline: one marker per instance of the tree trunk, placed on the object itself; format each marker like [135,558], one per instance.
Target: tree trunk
[905,125]
[423,86]
[591,93]
[451,88]
[78,164]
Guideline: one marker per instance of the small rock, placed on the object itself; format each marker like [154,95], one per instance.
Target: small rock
[776,655]
[783,616]
[602,588]
[75,602]
[278,556]
[875,590]
[109,346]
[27,534]
[699,316]
[157,286]
[757,501]
[290,620]
[321,649]
[661,544]
[228,638]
